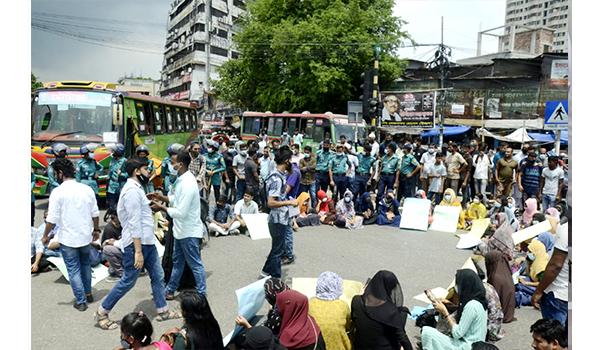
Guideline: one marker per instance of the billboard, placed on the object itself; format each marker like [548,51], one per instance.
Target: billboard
[409,110]
[559,74]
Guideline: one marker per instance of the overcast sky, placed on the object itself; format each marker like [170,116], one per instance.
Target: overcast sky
[120,24]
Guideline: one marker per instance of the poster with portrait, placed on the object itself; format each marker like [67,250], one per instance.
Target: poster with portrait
[408,109]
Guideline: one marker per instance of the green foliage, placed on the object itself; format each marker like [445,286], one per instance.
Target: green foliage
[308,55]
[35,83]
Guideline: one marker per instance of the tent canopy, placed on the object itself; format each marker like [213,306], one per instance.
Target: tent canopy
[519,135]
[448,131]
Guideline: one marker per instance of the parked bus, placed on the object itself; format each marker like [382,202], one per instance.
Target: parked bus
[315,126]
[76,112]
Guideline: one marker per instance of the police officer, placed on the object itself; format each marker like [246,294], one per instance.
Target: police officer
[365,172]
[409,170]
[60,151]
[117,176]
[389,171]
[143,151]
[339,170]
[167,172]
[87,169]
[215,164]
[323,156]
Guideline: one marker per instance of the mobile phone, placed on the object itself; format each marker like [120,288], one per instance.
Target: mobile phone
[431,296]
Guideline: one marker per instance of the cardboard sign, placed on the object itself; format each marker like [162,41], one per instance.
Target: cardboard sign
[470,240]
[531,231]
[99,272]
[415,214]
[445,219]
[250,300]
[257,225]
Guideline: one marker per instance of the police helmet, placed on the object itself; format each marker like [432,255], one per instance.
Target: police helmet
[59,147]
[142,148]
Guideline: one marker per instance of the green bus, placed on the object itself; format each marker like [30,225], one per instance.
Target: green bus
[79,112]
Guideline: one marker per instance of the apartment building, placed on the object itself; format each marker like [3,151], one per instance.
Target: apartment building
[524,15]
[198,41]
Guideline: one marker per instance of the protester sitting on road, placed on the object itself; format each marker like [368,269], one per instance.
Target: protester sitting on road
[331,313]
[299,330]
[470,325]
[499,276]
[495,331]
[200,329]
[500,205]
[52,249]
[38,260]
[111,248]
[364,207]
[325,207]
[532,272]
[549,334]
[221,218]
[136,332]
[476,210]
[501,239]
[547,238]
[450,200]
[388,210]
[346,216]
[530,207]
[261,338]
[379,315]
[305,218]
[244,206]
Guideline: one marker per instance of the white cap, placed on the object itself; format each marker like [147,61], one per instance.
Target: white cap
[372,135]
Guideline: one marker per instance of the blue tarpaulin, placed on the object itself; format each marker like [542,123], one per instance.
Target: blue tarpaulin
[549,138]
[448,130]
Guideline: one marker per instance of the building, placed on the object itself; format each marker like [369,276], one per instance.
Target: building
[143,86]
[198,41]
[528,14]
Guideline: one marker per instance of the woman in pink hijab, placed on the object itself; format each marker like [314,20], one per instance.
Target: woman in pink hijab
[529,208]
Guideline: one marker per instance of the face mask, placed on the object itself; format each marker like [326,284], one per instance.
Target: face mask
[476,201]
[431,150]
[414,145]
[231,150]
[534,222]
[210,150]
[339,154]
[195,154]
[90,156]
[125,344]
[497,204]
[385,151]
[347,199]
[542,156]
[305,204]
[530,256]
[510,205]
[448,197]
[171,168]
[306,155]
[472,144]
[247,201]
[324,199]
[325,149]
[456,289]
[143,179]
[547,216]
[244,153]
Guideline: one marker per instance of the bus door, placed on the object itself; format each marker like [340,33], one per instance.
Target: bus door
[307,125]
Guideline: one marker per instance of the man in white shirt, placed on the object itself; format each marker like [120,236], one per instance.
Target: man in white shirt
[73,206]
[137,245]
[243,207]
[426,160]
[184,208]
[375,154]
[353,164]
[239,162]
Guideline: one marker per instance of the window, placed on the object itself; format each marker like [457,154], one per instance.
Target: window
[144,118]
[271,127]
[217,13]
[170,128]
[218,51]
[180,126]
[186,118]
[157,113]
[193,120]
[222,33]
[306,125]
[291,124]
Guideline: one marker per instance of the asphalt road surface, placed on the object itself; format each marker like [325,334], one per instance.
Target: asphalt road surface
[419,259]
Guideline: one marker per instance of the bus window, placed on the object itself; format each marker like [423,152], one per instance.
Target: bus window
[291,125]
[306,125]
[158,119]
[247,121]
[179,121]
[144,123]
[264,121]
[256,126]
[193,120]
[170,125]
[271,127]
[278,126]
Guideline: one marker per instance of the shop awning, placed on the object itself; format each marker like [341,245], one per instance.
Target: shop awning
[519,135]
[448,131]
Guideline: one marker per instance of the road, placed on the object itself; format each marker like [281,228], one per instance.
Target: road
[419,259]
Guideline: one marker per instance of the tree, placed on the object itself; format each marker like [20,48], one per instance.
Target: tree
[308,55]
[35,83]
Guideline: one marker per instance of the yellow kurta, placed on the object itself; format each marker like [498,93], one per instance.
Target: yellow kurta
[476,211]
[333,317]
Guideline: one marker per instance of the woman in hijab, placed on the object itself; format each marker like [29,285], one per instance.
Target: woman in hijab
[346,216]
[325,208]
[299,330]
[305,218]
[470,325]
[529,208]
[552,212]
[388,210]
[364,207]
[450,200]
[562,211]
[331,313]
[495,331]
[379,315]
[500,205]
[272,287]
[499,276]
[547,239]
[535,265]
[476,210]
[501,240]
[261,338]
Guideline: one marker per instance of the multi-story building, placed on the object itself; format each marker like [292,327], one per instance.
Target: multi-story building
[148,86]
[552,14]
[198,42]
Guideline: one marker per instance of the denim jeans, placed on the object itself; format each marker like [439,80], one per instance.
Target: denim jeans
[386,182]
[241,187]
[554,308]
[273,264]
[289,241]
[187,250]
[77,261]
[437,197]
[406,187]
[312,191]
[548,201]
[131,274]
[230,191]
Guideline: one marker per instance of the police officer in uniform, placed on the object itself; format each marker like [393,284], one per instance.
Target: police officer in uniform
[323,156]
[339,170]
[87,169]
[365,172]
[388,178]
[117,176]
[143,151]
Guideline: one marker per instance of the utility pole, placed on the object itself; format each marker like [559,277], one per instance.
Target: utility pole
[209,24]
[441,61]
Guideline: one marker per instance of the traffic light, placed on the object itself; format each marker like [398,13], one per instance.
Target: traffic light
[367,95]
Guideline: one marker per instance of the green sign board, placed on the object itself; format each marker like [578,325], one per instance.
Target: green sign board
[378,48]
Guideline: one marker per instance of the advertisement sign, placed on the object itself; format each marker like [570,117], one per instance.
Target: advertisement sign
[79,98]
[409,110]
[559,75]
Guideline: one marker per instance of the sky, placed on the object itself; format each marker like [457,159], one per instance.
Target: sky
[139,28]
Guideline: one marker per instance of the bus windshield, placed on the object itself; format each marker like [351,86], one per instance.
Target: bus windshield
[83,112]
[349,130]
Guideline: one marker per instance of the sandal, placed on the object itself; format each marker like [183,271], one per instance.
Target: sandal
[110,325]
[168,316]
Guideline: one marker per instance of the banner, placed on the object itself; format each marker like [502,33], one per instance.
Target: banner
[559,75]
[415,214]
[409,110]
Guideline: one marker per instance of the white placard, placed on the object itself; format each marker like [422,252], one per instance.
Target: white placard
[445,218]
[99,272]
[258,225]
[110,137]
[415,214]
[458,109]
